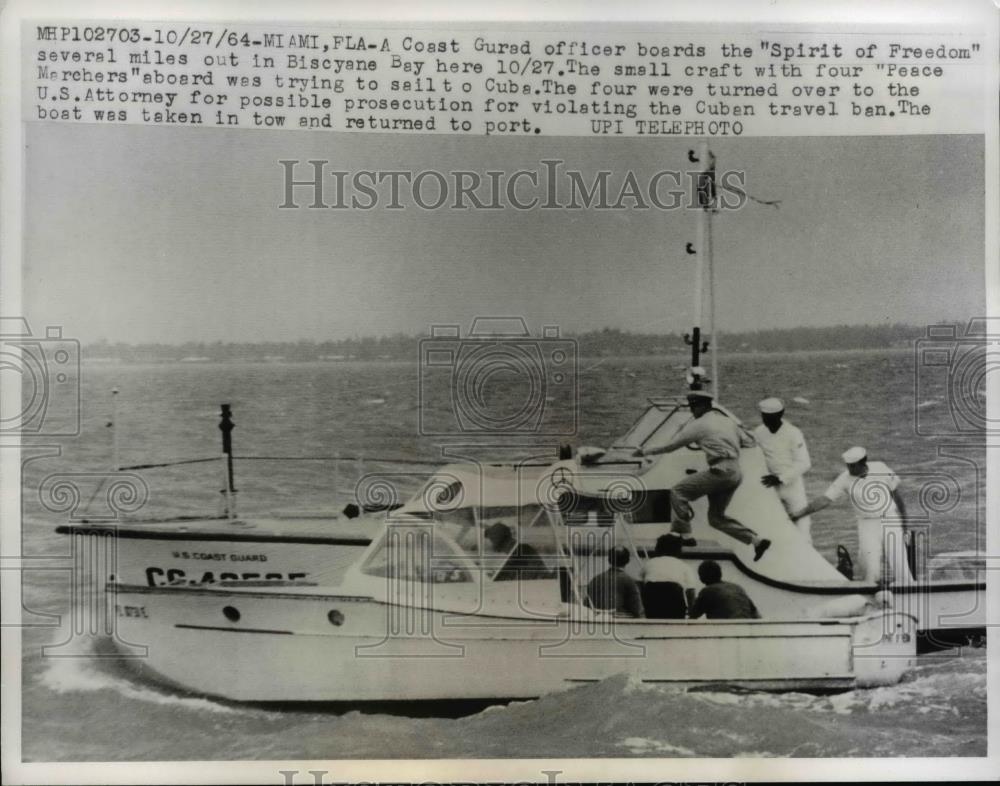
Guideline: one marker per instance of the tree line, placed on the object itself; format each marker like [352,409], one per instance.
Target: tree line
[608,342]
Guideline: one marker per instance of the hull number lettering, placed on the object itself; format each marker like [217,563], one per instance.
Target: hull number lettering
[160,577]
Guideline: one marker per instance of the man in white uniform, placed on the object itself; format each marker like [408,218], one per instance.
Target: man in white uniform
[787,459]
[872,488]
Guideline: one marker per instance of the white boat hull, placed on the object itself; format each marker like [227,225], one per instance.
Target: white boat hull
[946,611]
[298,645]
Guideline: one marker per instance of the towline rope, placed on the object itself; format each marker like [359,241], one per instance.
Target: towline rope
[339,458]
[354,459]
[169,463]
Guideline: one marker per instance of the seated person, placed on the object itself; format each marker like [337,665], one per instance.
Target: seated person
[721,600]
[524,562]
[614,590]
[669,588]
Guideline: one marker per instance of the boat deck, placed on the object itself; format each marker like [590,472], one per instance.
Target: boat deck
[330,530]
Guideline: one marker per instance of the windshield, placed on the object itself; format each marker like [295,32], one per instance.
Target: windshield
[416,553]
[501,543]
[518,544]
[649,423]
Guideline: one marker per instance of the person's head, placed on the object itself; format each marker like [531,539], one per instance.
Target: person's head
[709,572]
[771,412]
[619,557]
[499,535]
[856,460]
[700,402]
[668,545]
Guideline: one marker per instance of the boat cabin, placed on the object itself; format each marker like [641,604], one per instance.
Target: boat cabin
[472,528]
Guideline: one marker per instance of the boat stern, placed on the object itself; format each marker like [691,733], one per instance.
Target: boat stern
[884,649]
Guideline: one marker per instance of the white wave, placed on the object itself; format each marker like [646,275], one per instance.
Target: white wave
[645,745]
[501,708]
[83,675]
[843,703]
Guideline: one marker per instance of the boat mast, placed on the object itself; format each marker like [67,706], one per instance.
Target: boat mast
[706,201]
[115,454]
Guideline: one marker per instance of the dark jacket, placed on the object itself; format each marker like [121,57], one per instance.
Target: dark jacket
[615,590]
[724,601]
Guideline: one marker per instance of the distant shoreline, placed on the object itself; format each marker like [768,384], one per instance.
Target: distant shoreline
[679,358]
[593,345]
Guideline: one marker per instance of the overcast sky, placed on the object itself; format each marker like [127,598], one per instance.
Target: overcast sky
[153,234]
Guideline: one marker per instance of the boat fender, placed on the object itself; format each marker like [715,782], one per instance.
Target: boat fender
[845,565]
[883,600]
[910,540]
[589,454]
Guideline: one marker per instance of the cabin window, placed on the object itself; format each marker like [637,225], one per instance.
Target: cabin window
[514,516]
[523,552]
[460,526]
[665,432]
[651,420]
[962,568]
[416,554]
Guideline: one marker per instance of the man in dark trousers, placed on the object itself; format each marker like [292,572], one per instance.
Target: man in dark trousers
[721,600]
[614,590]
[720,439]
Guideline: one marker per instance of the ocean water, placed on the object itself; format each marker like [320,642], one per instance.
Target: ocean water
[95,709]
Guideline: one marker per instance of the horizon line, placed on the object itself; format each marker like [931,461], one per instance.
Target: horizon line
[399,335]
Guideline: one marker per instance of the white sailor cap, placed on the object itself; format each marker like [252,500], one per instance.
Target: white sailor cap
[854,455]
[702,394]
[771,406]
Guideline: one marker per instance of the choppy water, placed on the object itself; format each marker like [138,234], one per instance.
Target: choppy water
[94,709]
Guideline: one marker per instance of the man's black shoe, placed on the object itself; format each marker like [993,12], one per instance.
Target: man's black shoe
[760,548]
[689,542]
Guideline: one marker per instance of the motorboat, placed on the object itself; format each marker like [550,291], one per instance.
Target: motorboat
[793,580]
[431,612]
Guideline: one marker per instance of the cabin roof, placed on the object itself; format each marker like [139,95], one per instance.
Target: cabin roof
[479,486]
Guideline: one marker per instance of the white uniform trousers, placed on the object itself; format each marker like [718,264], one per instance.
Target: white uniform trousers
[793,497]
[882,551]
